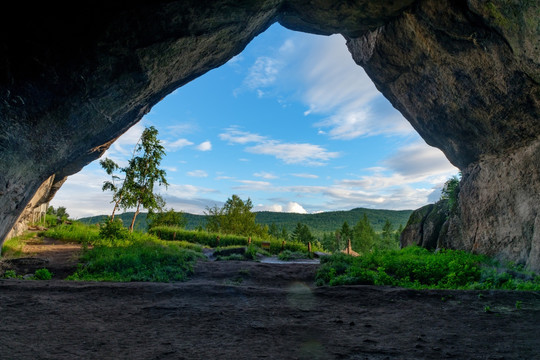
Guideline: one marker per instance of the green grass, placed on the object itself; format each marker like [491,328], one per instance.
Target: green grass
[134,257]
[139,260]
[211,239]
[418,268]
[13,247]
[288,255]
[78,232]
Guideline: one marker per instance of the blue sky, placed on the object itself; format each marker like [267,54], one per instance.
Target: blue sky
[292,123]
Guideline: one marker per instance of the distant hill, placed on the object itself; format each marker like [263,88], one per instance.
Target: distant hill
[318,223]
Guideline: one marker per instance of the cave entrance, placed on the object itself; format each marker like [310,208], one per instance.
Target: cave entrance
[291,122]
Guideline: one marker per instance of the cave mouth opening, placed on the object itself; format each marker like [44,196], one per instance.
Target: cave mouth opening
[291,123]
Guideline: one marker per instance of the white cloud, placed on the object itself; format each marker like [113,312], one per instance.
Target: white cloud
[177,144]
[294,207]
[292,153]
[198,173]
[236,136]
[204,146]
[265,175]
[306,176]
[290,207]
[254,185]
[421,160]
[288,46]
[336,86]
[263,72]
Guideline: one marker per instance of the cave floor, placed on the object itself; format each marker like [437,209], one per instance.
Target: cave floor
[249,310]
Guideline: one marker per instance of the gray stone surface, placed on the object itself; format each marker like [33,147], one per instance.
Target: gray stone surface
[465,74]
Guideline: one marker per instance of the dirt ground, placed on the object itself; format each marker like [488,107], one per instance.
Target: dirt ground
[248,310]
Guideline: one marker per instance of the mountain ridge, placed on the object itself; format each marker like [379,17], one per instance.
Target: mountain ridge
[318,223]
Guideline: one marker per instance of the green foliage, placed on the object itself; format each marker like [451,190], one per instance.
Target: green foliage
[319,224]
[113,230]
[60,212]
[76,231]
[13,247]
[211,239]
[302,234]
[137,260]
[141,175]
[450,192]
[364,237]
[10,274]
[417,268]
[235,217]
[288,255]
[42,274]
[167,218]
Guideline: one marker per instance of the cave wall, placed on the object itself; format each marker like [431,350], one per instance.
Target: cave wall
[465,74]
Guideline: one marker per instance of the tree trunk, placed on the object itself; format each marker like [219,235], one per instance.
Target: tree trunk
[113,211]
[134,217]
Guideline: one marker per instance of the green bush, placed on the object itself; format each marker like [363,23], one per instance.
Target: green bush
[113,230]
[418,268]
[42,274]
[76,231]
[150,260]
[288,255]
[11,274]
[211,239]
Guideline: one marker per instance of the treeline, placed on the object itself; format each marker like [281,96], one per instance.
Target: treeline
[319,224]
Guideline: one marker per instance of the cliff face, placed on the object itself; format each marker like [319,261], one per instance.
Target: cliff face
[465,74]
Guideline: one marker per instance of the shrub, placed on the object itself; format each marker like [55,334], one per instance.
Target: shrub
[288,255]
[113,230]
[418,268]
[150,260]
[74,232]
[42,274]
[211,239]
[11,274]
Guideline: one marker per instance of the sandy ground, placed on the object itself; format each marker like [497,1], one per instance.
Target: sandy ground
[247,310]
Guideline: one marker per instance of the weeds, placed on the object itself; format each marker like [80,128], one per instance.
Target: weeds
[42,274]
[418,268]
[221,240]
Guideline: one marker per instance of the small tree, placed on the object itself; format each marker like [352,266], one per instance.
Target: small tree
[114,185]
[167,218]
[235,217]
[364,236]
[450,192]
[388,239]
[301,233]
[143,173]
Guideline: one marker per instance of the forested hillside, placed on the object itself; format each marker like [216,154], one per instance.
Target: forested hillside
[318,223]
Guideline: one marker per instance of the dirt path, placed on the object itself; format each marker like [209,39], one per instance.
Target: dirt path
[58,256]
[247,310]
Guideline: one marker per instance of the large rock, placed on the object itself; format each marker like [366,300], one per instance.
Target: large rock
[425,226]
[464,73]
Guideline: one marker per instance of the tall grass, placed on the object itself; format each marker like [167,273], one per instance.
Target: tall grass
[13,247]
[211,239]
[137,261]
[418,268]
[134,257]
[77,232]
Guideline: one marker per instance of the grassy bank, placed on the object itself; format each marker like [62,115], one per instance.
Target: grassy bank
[418,268]
[221,240]
[128,257]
